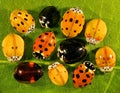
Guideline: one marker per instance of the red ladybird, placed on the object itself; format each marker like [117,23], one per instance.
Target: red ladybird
[44,45]
[83,74]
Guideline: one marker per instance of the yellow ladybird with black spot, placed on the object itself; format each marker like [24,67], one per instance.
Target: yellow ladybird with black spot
[72,22]
[22,21]
[105,59]
[13,47]
[95,31]
[58,74]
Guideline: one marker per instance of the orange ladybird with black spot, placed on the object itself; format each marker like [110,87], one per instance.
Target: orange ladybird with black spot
[83,74]
[44,45]
[72,22]
[22,21]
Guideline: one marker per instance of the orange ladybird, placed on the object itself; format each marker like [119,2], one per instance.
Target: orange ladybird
[72,22]
[105,59]
[44,45]
[83,74]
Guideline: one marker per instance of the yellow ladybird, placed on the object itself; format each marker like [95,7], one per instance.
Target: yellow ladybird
[95,31]
[58,74]
[13,47]
[22,21]
[105,59]
[72,22]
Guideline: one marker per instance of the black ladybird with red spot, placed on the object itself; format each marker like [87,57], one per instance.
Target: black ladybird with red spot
[28,72]
[71,50]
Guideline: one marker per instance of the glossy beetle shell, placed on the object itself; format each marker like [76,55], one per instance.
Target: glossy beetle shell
[71,50]
[49,17]
[28,72]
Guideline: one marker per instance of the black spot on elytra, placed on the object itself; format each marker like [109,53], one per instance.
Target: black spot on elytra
[73,81]
[71,19]
[84,80]
[19,13]
[77,76]
[41,51]
[81,71]
[87,75]
[18,24]
[25,19]
[79,24]
[67,12]
[65,20]
[26,15]
[49,44]
[22,23]
[39,36]
[46,49]
[75,31]
[76,21]
[40,46]
[23,30]
[46,33]
[42,40]
[15,18]
[66,28]
[53,37]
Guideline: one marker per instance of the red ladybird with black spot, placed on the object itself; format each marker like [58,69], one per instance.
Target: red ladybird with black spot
[83,74]
[44,45]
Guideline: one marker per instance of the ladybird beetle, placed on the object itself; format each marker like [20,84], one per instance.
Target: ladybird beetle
[71,50]
[72,22]
[44,45]
[22,21]
[95,31]
[13,47]
[49,17]
[58,74]
[105,59]
[28,72]
[83,74]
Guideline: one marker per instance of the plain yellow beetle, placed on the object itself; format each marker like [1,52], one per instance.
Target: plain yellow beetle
[95,31]
[13,47]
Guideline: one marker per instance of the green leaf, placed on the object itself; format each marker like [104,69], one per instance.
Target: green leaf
[108,10]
